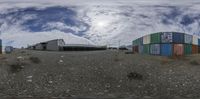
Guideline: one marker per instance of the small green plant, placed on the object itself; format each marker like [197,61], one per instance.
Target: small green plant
[35,60]
[194,62]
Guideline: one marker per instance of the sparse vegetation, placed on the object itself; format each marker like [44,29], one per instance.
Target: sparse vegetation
[35,60]
[16,67]
[135,76]
[194,62]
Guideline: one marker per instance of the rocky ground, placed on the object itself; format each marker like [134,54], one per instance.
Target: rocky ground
[98,74]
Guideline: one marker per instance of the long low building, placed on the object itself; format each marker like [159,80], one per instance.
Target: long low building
[167,44]
[59,45]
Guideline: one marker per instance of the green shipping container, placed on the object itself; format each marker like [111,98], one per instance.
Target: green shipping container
[187,49]
[146,49]
[155,38]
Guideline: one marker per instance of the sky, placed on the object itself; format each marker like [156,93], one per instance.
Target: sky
[98,22]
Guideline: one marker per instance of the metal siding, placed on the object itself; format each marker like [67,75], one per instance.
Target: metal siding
[198,49]
[146,39]
[178,38]
[0,46]
[135,49]
[140,49]
[52,45]
[166,37]
[38,47]
[155,38]
[166,49]
[155,49]
[188,39]
[198,41]
[187,49]
[195,40]
[194,49]
[178,49]
[146,48]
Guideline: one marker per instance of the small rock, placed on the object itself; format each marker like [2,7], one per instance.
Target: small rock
[30,80]
[50,82]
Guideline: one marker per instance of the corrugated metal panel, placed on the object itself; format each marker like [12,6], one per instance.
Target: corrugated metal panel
[135,49]
[140,49]
[178,38]
[155,49]
[155,38]
[0,46]
[188,39]
[199,49]
[178,50]
[187,49]
[195,40]
[146,39]
[146,49]
[198,41]
[166,49]
[166,37]
[194,49]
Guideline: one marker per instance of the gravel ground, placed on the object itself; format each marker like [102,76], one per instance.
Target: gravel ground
[98,74]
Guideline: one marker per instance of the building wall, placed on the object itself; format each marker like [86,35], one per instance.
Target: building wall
[55,45]
[38,47]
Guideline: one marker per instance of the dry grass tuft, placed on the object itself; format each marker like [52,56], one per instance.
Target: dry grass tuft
[35,60]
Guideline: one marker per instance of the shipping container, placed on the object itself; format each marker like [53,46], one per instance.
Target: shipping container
[146,39]
[135,49]
[155,38]
[166,37]
[0,46]
[187,49]
[155,49]
[140,49]
[194,49]
[178,38]
[166,49]
[188,39]
[195,40]
[198,49]
[178,50]
[8,49]
[198,41]
[146,48]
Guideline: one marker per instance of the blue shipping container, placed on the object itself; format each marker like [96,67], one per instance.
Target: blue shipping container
[178,38]
[166,49]
[199,42]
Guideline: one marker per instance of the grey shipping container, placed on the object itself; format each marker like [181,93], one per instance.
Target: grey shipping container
[188,39]
[166,37]
[155,49]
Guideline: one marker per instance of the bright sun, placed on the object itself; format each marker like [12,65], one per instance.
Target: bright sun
[102,24]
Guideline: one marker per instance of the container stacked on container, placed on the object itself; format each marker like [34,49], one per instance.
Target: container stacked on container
[167,44]
[0,46]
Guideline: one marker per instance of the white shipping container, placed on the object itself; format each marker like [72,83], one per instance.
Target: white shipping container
[146,39]
[195,40]
[166,37]
[188,39]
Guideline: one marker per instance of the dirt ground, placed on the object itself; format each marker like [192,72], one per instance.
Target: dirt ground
[98,74]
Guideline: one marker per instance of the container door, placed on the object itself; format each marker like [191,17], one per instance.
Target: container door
[155,38]
[178,37]
[194,49]
[178,50]
[195,40]
[155,49]
[187,49]
[166,49]
[188,39]
[146,49]
[141,49]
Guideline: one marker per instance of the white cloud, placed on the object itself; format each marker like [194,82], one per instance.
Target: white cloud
[123,18]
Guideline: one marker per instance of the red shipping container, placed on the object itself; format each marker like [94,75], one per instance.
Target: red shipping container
[194,49]
[178,50]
